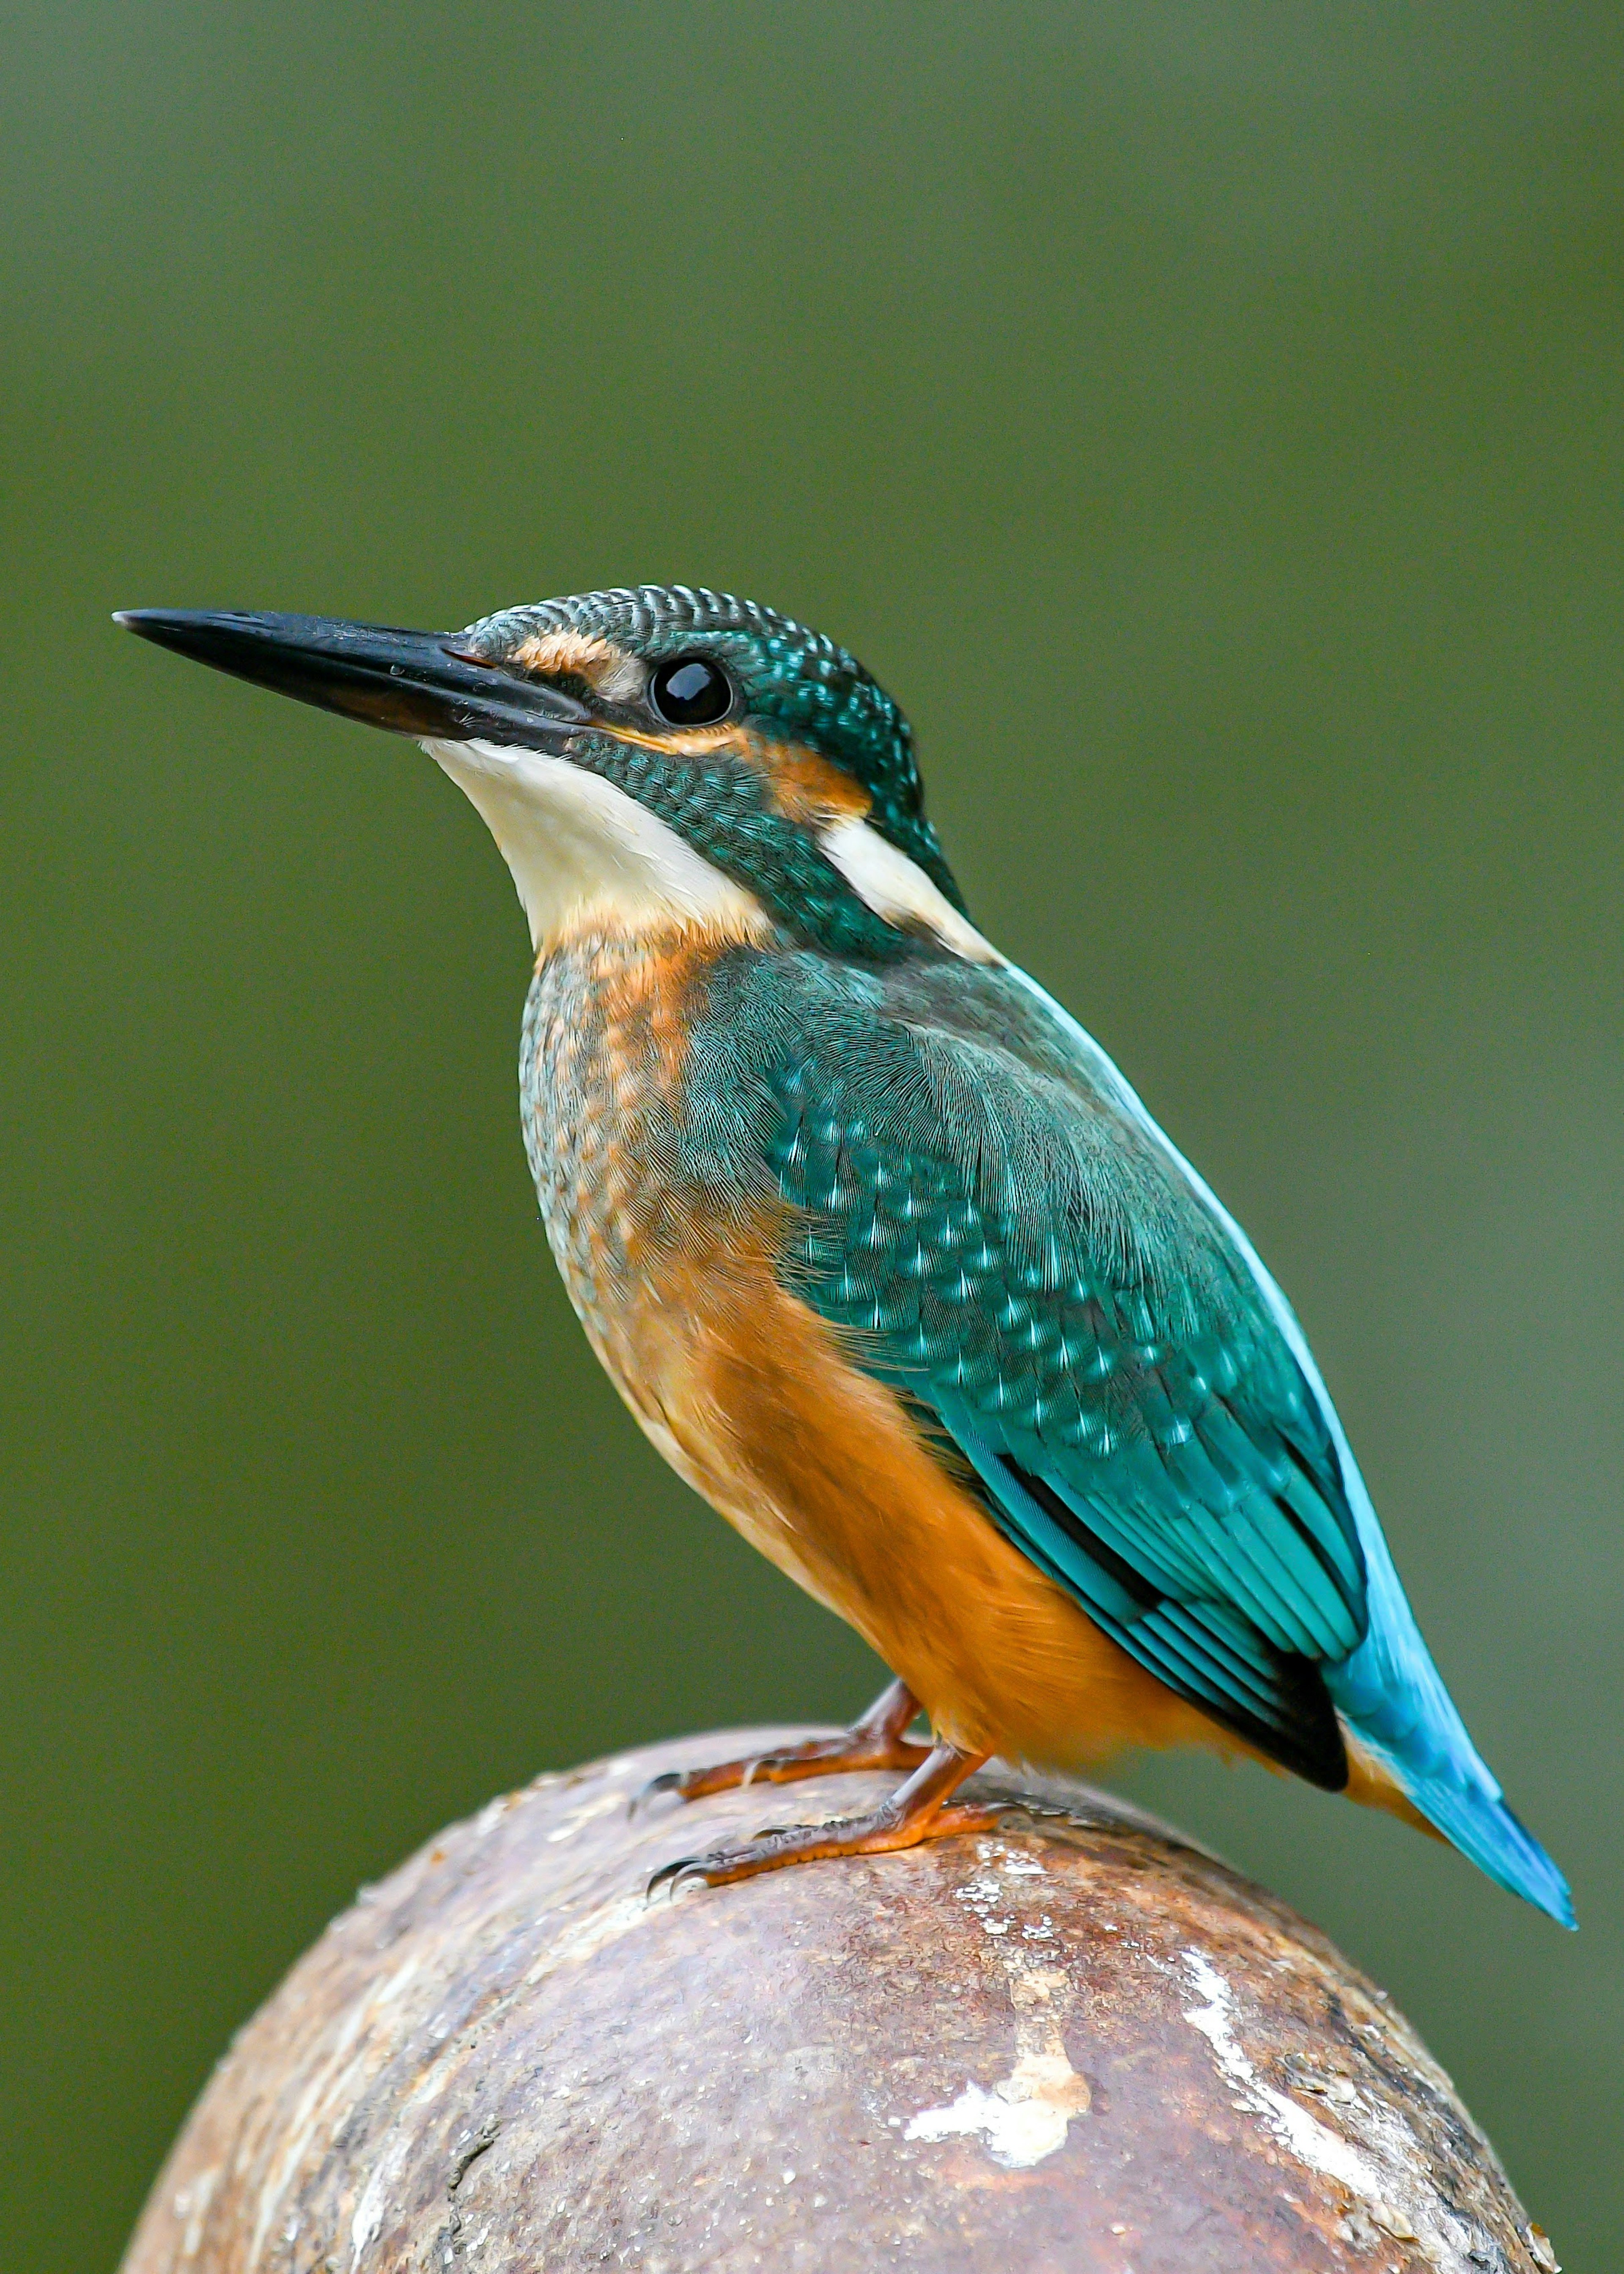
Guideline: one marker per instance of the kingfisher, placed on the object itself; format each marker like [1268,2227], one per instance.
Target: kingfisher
[882,1253]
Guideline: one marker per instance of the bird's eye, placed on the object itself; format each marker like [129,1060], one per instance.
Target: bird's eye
[690,691]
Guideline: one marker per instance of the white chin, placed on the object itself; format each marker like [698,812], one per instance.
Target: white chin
[581,850]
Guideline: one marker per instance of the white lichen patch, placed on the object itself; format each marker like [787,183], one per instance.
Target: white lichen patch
[586,1813]
[1385,2171]
[1023,2119]
[375,2196]
[332,2083]
[584,1937]
[1025,2116]
[192,2207]
[1310,2141]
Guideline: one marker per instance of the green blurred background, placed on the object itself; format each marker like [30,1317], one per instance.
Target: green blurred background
[1206,418]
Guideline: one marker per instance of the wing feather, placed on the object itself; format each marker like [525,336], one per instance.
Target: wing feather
[1000,1245]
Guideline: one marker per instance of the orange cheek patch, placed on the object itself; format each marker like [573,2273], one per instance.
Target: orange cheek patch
[801,785]
[805,788]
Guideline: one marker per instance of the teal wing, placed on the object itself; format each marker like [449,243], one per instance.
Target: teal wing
[1000,1243]
[986,1212]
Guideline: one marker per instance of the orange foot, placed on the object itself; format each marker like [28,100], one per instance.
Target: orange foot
[917,1810]
[878,1741]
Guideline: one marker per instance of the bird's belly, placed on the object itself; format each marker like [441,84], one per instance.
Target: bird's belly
[821,1466]
[754,1403]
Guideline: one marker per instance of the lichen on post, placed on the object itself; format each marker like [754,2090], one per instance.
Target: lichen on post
[1075,2043]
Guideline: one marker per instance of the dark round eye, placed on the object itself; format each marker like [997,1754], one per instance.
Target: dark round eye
[690,691]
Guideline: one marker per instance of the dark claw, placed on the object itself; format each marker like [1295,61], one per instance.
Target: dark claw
[668,1781]
[672,1875]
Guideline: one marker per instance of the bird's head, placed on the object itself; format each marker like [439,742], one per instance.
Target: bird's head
[644,756]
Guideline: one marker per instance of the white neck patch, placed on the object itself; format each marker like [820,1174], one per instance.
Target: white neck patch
[578,847]
[898,889]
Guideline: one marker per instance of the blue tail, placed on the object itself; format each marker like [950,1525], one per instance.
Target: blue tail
[1481,1826]
[1388,1692]
[1393,1698]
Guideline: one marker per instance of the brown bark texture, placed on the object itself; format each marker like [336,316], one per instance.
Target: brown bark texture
[1077,2043]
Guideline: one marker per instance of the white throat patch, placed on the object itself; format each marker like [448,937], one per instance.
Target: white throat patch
[579,848]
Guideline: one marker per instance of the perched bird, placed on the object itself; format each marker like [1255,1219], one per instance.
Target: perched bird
[879,1248]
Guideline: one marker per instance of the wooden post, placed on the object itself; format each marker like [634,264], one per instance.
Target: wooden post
[1077,2044]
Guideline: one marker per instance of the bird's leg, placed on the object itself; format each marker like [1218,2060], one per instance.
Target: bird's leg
[916,1811]
[879,1740]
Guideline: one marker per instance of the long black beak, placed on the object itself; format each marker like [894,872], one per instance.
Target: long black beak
[427,684]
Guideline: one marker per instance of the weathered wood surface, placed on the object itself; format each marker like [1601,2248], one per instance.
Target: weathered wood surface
[1079,2044]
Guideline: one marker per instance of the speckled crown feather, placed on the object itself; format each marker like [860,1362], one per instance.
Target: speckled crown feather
[791,680]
